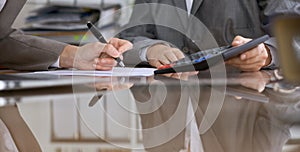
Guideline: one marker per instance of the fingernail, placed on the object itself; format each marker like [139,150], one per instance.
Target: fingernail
[103,61]
[116,53]
[238,42]
[243,57]
[261,89]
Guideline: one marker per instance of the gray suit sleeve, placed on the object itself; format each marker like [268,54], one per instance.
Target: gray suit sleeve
[24,52]
[270,9]
[140,33]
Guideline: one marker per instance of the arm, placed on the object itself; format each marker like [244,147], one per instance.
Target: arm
[141,31]
[24,52]
[270,9]
[19,51]
[265,55]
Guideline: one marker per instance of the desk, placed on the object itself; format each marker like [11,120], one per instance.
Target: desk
[160,113]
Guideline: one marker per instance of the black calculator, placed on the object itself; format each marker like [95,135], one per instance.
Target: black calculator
[203,59]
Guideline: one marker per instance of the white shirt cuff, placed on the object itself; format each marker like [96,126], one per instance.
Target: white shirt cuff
[56,64]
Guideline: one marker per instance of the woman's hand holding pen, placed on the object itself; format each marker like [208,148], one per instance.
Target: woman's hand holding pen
[94,56]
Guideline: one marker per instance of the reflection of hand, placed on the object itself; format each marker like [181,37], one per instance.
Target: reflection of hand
[179,76]
[160,54]
[182,75]
[101,86]
[114,84]
[252,60]
[87,57]
[255,80]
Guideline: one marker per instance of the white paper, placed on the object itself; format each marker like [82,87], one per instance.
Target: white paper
[117,71]
[2,3]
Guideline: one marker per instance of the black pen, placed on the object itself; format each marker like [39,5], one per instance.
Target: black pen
[100,38]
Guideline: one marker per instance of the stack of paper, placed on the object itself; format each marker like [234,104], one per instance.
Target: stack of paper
[117,71]
[62,18]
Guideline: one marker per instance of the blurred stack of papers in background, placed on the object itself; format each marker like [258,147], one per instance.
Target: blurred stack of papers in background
[62,18]
[68,23]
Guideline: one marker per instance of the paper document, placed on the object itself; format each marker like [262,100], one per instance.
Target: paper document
[117,71]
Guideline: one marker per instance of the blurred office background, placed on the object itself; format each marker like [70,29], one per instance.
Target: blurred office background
[37,18]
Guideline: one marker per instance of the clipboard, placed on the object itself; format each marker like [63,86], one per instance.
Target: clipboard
[203,59]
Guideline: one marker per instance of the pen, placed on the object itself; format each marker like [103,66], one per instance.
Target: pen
[100,38]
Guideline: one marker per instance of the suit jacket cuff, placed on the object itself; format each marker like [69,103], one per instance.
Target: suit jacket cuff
[271,44]
[29,52]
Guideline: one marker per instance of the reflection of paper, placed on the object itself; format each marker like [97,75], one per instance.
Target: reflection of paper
[117,71]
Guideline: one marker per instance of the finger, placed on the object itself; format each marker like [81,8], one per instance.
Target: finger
[254,60]
[155,63]
[184,76]
[249,54]
[121,45]
[253,52]
[98,67]
[164,59]
[125,46]
[103,68]
[235,60]
[106,62]
[239,40]
[259,86]
[168,75]
[178,54]
[104,55]
[176,75]
[171,56]
[121,57]
[250,67]
[111,50]
[114,42]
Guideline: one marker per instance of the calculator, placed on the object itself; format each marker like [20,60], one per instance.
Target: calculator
[203,59]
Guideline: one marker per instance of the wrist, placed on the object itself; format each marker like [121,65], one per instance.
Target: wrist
[67,56]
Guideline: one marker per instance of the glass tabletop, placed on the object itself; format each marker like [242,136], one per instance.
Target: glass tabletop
[254,111]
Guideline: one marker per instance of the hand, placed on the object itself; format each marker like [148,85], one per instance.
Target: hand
[252,60]
[121,45]
[160,54]
[255,80]
[182,75]
[87,57]
[110,86]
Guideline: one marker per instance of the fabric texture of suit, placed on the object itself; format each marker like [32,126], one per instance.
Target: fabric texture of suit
[242,124]
[223,19]
[24,52]
[18,136]
[6,142]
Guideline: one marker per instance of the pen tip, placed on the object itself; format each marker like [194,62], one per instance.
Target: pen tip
[122,64]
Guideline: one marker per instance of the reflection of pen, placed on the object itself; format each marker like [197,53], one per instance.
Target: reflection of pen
[100,37]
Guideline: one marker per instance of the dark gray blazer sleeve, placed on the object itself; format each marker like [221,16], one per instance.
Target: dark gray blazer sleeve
[24,52]
[141,34]
[270,10]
